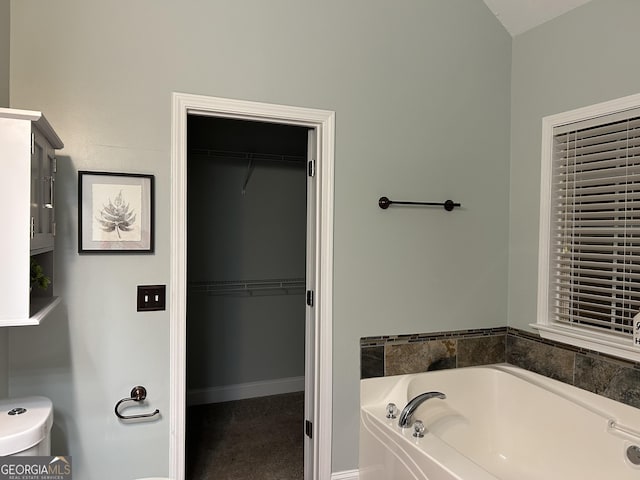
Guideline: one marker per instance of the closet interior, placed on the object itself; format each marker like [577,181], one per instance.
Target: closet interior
[246,260]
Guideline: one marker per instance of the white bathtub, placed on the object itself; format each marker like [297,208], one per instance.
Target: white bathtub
[497,422]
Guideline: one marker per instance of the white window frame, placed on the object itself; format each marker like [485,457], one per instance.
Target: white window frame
[576,335]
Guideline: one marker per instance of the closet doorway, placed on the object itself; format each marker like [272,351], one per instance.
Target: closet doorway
[246,297]
[253,376]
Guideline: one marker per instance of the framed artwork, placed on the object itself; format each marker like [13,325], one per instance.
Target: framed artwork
[115,212]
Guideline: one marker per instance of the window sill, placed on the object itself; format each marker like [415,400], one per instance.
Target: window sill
[596,341]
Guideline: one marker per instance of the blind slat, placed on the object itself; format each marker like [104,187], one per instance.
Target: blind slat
[595,285]
[611,259]
[595,307]
[612,133]
[607,231]
[600,250]
[601,199]
[616,146]
[609,267]
[631,302]
[613,182]
[582,319]
[604,173]
[585,161]
[592,193]
[564,167]
[572,223]
[615,210]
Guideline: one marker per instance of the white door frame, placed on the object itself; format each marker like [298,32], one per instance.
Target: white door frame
[323,122]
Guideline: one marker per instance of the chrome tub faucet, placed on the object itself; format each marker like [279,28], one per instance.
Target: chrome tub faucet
[406,417]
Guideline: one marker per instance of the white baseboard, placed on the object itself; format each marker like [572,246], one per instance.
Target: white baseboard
[346,475]
[228,393]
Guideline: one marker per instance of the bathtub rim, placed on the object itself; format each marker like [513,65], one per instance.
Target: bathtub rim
[615,415]
[613,412]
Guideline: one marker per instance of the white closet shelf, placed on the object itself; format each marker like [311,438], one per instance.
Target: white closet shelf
[280,286]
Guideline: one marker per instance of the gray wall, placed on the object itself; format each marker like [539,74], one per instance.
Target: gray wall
[5,18]
[255,236]
[585,57]
[421,94]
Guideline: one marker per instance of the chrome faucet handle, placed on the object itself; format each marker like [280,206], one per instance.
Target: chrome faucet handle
[418,429]
[392,410]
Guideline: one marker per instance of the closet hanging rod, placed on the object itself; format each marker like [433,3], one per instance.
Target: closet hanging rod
[384,203]
[284,286]
[266,157]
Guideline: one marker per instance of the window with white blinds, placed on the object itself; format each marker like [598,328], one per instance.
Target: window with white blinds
[591,220]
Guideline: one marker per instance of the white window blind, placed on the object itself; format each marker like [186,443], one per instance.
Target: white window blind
[594,269]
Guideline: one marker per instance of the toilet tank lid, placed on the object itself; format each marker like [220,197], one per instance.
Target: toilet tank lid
[22,431]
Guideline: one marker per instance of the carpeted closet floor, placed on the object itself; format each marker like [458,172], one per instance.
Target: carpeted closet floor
[258,438]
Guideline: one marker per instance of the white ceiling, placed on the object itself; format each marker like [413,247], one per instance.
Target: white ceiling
[518,16]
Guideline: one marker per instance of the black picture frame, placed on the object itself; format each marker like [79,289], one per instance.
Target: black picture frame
[115,213]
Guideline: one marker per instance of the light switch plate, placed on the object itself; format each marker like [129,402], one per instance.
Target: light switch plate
[152,297]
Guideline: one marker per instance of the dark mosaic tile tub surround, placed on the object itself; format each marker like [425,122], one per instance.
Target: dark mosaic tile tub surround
[399,354]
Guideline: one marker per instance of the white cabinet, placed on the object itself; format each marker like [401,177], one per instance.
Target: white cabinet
[27,191]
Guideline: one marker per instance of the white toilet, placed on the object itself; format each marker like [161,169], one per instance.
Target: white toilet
[25,426]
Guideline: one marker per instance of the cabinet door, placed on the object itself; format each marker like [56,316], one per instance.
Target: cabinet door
[43,166]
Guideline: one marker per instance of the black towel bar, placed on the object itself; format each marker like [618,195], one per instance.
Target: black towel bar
[448,205]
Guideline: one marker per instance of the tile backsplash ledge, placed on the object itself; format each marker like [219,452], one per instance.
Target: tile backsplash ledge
[601,374]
